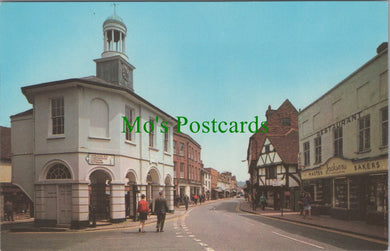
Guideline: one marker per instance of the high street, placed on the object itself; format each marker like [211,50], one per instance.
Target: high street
[213,226]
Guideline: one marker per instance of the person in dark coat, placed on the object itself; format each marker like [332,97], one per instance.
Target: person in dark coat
[186,201]
[161,208]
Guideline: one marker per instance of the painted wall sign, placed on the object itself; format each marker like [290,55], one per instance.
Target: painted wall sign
[339,167]
[100,159]
[340,123]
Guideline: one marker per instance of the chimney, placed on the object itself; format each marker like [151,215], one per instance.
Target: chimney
[381,47]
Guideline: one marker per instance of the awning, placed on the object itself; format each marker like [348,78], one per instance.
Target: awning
[218,190]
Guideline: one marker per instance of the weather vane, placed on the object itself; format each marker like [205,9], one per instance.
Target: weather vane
[114,4]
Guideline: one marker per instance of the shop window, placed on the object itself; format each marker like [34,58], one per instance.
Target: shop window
[270,172]
[377,198]
[317,145]
[57,172]
[341,197]
[364,133]
[306,152]
[338,141]
[57,115]
[384,118]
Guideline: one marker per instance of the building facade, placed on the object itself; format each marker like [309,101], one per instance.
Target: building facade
[79,151]
[272,158]
[343,144]
[214,174]
[187,166]
[22,205]
[207,183]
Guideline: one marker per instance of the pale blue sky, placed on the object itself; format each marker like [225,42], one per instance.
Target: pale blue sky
[227,61]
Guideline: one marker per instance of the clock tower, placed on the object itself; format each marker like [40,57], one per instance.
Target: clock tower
[113,66]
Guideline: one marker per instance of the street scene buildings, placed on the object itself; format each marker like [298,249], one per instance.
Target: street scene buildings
[80,159]
[342,159]
[343,144]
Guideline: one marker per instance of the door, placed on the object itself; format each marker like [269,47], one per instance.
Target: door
[64,204]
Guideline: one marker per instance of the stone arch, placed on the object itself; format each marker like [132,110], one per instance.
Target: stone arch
[108,171]
[49,165]
[99,118]
[131,177]
[153,176]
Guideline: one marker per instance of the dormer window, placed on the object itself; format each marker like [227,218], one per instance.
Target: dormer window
[286,122]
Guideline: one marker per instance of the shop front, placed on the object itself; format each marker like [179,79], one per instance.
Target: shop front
[350,189]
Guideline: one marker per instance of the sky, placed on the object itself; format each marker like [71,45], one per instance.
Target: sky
[211,60]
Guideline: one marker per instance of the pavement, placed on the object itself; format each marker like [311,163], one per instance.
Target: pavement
[322,221]
[24,224]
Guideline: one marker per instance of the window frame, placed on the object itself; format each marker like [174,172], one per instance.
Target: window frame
[306,153]
[384,126]
[338,141]
[57,116]
[151,133]
[364,134]
[129,135]
[318,149]
[166,142]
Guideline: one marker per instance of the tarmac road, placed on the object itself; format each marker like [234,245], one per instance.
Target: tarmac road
[216,226]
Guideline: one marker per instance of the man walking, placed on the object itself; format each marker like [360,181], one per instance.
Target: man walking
[161,208]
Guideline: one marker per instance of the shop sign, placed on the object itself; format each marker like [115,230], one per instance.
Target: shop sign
[340,123]
[339,167]
[100,159]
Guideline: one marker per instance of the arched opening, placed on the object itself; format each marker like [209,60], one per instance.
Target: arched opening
[152,187]
[57,199]
[169,195]
[99,196]
[131,195]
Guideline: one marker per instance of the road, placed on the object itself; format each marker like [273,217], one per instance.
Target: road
[216,226]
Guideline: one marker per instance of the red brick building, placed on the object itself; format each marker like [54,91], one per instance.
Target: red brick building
[187,165]
[273,158]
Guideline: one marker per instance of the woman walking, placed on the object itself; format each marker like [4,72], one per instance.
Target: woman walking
[143,210]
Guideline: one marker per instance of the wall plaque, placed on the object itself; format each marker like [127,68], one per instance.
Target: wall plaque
[100,159]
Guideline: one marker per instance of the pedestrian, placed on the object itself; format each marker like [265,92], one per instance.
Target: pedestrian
[8,208]
[300,203]
[307,205]
[186,200]
[254,202]
[263,202]
[143,210]
[196,199]
[161,208]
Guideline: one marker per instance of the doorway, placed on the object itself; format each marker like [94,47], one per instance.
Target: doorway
[99,196]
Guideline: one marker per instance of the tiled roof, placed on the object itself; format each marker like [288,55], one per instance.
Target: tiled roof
[283,138]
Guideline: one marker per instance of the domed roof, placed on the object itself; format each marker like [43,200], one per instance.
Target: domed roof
[115,19]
